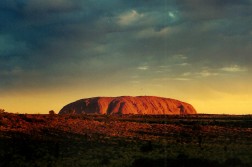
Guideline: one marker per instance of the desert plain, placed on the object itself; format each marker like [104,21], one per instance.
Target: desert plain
[45,140]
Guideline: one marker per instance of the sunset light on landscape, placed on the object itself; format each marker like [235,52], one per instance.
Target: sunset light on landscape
[53,52]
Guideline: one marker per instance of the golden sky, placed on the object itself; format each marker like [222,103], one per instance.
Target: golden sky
[202,97]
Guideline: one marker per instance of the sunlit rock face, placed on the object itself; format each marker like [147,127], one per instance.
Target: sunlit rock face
[128,105]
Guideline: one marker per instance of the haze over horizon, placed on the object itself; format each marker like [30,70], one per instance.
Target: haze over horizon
[56,52]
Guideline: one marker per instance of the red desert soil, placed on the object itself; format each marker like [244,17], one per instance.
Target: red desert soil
[146,127]
[129,105]
[125,140]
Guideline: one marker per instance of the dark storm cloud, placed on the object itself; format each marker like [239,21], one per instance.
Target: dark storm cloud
[56,41]
[212,9]
[41,36]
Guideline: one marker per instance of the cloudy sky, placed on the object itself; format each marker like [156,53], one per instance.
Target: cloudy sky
[56,52]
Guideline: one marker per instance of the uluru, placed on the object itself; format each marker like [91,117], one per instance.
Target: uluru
[128,105]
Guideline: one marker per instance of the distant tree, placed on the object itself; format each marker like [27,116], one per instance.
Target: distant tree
[51,112]
[2,110]
[182,110]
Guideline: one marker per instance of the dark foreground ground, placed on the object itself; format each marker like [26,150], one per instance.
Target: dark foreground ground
[125,141]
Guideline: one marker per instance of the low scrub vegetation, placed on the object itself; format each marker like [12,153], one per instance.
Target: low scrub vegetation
[125,140]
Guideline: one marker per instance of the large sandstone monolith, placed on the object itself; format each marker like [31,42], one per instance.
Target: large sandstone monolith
[128,105]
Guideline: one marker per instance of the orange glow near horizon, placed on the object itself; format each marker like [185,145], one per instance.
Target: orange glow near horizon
[41,102]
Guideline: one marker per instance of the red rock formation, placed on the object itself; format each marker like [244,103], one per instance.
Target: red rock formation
[128,105]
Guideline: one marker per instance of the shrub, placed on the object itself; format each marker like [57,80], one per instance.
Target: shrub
[51,112]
